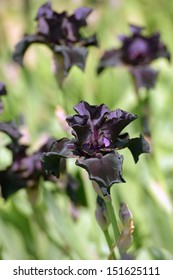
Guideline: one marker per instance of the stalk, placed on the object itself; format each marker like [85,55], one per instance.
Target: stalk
[113,219]
[110,245]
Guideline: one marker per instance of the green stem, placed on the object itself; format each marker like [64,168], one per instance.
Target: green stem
[113,219]
[108,239]
[144,113]
[59,78]
[91,204]
[110,244]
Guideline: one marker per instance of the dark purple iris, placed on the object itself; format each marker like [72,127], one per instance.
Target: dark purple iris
[60,28]
[24,172]
[141,50]
[96,132]
[25,169]
[2,89]
[137,52]
[61,33]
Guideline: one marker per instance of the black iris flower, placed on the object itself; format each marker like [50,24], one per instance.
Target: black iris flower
[62,29]
[61,33]
[96,138]
[137,52]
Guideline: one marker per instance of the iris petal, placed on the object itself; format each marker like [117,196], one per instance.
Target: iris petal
[105,170]
[144,76]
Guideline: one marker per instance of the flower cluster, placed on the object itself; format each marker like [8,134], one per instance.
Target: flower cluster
[61,33]
[25,170]
[137,52]
[97,137]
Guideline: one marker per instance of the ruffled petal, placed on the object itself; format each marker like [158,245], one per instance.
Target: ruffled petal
[94,112]
[105,170]
[63,148]
[116,121]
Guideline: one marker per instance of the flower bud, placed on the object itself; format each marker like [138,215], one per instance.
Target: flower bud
[124,242]
[125,214]
[125,239]
[102,214]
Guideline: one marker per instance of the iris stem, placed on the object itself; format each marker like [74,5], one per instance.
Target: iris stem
[110,244]
[91,204]
[112,219]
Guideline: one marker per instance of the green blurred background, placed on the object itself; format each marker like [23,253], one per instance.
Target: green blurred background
[44,228]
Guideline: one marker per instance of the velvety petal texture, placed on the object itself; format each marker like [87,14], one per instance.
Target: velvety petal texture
[96,132]
[116,121]
[62,148]
[105,170]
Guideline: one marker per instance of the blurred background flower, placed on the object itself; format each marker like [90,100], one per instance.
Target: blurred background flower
[137,52]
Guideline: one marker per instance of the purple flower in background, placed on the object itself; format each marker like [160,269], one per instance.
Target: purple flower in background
[97,136]
[10,128]
[3,91]
[141,50]
[61,29]
[137,52]
[61,33]
[25,169]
